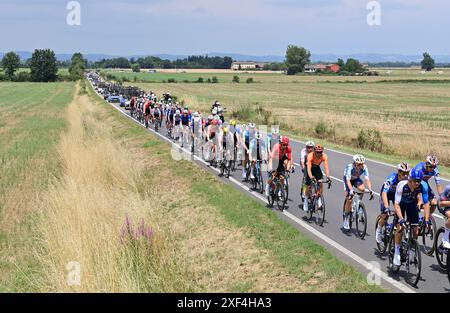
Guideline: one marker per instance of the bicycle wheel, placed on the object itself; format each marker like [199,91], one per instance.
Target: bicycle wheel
[320,211]
[413,264]
[441,252]
[361,221]
[381,247]
[281,197]
[428,238]
[261,182]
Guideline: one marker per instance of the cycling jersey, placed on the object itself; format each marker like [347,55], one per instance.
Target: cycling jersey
[304,154]
[352,173]
[404,194]
[272,141]
[390,185]
[185,119]
[428,174]
[177,117]
[278,152]
[312,160]
[156,112]
[445,196]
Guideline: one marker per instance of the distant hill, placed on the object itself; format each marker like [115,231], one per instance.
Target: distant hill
[363,57]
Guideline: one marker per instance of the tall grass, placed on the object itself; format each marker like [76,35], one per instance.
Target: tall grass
[86,210]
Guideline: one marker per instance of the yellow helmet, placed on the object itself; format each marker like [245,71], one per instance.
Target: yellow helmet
[233,123]
[225,129]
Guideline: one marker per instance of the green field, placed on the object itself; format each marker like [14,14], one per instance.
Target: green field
[32,120]
[413,118]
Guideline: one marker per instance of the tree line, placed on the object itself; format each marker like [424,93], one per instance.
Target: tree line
[43,67]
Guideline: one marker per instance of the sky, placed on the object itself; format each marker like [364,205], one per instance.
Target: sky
[255,27]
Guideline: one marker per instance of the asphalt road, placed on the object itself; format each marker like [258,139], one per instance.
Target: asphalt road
[347,246]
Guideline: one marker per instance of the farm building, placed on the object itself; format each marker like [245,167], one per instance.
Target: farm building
[312,68]
[247,65]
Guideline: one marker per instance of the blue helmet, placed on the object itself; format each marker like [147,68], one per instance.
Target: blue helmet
[416,174]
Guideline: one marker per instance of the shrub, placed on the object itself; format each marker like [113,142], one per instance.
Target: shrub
[249,80]
[370,139]
[243,112]
[186,81]
[171,80]
[215,80]
[209,80]
[126,80]
[2,77]
[200,80]
[135,79]
[321,129]
[235,79]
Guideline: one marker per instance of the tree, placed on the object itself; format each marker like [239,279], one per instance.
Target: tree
[235,79]
[296,59]
[341,64]
[11,62]
[353,66]
[77,67]
[136,68]
[43,66]
[427,62]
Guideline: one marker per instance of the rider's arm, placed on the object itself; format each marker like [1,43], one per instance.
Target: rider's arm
[439,185]
[325,162]
[309,164]
[367,178]
[302,159]
[348,176]
[422,198]
[398,199]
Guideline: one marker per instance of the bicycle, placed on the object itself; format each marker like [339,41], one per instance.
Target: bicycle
[224,166]
[316,203]
[257,181]
[409,256]
[277,193]
[441,252]
[358,213]
[427,235]
[386,231]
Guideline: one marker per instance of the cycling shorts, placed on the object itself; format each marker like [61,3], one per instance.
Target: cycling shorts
[354,182]
[316,171]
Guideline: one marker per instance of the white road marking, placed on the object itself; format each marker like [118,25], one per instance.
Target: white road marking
[301,223]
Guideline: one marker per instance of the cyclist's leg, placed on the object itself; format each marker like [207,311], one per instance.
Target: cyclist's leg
[348,200]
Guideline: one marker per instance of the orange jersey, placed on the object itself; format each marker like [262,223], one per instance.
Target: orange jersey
[312,160]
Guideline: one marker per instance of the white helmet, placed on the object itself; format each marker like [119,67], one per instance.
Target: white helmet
[310,144]
[275,131]
[404,167]
[258,135]
[359,159]
[177,112]
[217,118]
[210,117]
[251,126]
[433,160]
[196,114]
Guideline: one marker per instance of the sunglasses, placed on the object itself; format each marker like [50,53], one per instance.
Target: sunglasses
[431,166]
[416,181]
[403,173]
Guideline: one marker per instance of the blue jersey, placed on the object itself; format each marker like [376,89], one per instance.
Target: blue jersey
[185,119]
[352,173]
[445,196]
[428,174]
[405,196]
[390,185]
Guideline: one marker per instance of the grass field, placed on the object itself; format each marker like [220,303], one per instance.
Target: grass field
[412,118]
[32,120]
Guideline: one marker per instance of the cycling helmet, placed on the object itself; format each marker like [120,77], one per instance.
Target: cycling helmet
[310,144]
[318,148]
[404,167]
[359,159]
[432,160]
[177,112]
[285,140]
[275,131]
[214,122]
[233,122]
[416,174]
[217,118]
[185,111]
[251,125]
[196,114]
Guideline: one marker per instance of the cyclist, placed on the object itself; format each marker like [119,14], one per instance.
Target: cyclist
[387,194]
[249,134]
[281,157]
[177,123]
[314,172]
[303,155]
[444,208]
[157,115]
[257,153]
[410,195]
[132,105]
[147,110]
[352,174]
[196,130]
[429,169]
